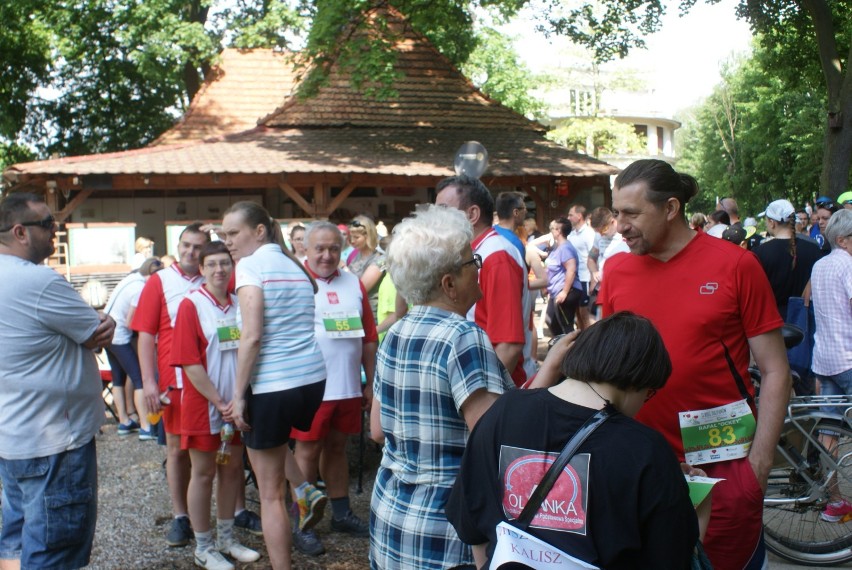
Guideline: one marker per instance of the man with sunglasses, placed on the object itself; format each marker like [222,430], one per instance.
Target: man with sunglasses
[50,394]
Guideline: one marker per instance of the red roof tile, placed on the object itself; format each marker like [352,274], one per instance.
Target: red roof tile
[432,93]
[388,151]
[238,91]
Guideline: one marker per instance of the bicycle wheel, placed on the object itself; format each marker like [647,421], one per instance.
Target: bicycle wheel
[793,529]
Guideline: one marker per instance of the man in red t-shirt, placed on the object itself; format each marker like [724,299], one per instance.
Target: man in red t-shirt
[153,320]
[712,304]
[502,311]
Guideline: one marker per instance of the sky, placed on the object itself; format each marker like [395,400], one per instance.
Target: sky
[682,61]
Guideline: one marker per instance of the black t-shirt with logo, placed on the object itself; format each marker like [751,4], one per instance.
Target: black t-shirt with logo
[623,502]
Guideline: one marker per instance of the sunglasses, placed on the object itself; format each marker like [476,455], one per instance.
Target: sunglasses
[48,224]
[355,224]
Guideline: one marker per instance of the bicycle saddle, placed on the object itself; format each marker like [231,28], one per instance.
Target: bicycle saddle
[792,335]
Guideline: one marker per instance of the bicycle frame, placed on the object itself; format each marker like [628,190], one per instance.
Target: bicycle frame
[800,409]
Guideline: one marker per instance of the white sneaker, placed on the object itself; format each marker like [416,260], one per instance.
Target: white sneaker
[212,560]
[239,552]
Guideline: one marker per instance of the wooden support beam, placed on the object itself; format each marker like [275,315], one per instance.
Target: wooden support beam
[340,198]
[296,197]
[75,203]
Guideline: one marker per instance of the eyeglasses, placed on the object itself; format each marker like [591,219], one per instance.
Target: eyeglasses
[225,264]
[48,223]
[651,393]
[476,261]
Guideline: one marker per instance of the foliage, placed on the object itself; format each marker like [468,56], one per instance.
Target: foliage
[495,69]
[25,53]
[597,136]
[11,153]
[756,138]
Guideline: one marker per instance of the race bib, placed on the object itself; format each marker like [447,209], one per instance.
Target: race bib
[229,335]
[519,547]
[717,434]
[343,325]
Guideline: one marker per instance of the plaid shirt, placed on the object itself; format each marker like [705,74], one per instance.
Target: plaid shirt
[831,283]
[428,365]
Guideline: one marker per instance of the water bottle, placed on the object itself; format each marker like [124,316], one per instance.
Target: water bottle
[226,434]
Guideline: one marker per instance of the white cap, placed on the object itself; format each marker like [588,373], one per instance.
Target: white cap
[779,210]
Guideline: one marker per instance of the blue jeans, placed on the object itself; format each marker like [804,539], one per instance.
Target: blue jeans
[50,507]
[835,385]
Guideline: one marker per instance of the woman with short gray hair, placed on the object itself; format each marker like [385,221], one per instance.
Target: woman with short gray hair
[436,374]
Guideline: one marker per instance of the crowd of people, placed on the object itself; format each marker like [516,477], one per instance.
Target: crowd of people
[250,343]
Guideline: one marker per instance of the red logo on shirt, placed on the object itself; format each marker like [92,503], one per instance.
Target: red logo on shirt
[332,298]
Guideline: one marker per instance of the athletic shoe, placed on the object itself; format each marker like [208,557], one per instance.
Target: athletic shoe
[146,435]
[311,508]
[212,560]
[238,552]
[351,524]
[180,533]
[834,512]
[307,542]
[249,521]
[128,428]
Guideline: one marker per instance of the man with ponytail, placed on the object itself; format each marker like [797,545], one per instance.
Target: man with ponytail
[712,304]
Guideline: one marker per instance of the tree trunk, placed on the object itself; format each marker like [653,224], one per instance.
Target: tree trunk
[837,158]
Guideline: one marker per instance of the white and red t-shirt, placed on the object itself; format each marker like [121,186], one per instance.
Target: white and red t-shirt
[505,308]
[340,295]
[156,312]
[205,333]
[709,296]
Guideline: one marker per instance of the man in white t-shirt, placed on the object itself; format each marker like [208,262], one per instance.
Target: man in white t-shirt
[582,237]
[346,332]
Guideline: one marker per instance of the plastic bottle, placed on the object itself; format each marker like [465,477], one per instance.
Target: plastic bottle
[226,434]
[154,417]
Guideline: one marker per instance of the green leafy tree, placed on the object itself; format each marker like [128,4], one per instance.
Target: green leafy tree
[494,67]
[25,53]
[757,137]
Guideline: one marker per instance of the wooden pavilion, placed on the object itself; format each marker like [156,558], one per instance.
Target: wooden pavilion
[337,154]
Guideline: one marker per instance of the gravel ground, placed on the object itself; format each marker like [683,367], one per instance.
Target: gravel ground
[134,512]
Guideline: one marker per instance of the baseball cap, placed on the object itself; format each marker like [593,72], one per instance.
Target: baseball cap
[845,198]
[749,223]
[779,210]
[736,234]
[826,203]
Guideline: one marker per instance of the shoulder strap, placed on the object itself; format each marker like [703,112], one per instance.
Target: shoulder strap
[549,479]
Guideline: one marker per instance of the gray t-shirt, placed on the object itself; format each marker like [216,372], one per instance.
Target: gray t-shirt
[50,387]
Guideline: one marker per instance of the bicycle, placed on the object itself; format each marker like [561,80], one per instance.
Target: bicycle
[801,480]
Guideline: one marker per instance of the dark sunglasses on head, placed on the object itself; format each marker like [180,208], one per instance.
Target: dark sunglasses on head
[48,223]
[355,224]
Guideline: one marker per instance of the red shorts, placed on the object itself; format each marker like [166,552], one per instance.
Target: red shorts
[171,412]
[736,522]
[341,415]
[207,442]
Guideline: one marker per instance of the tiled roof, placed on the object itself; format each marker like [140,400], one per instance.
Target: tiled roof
[389,151]
[238,91]
[338,130]
[432,93]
